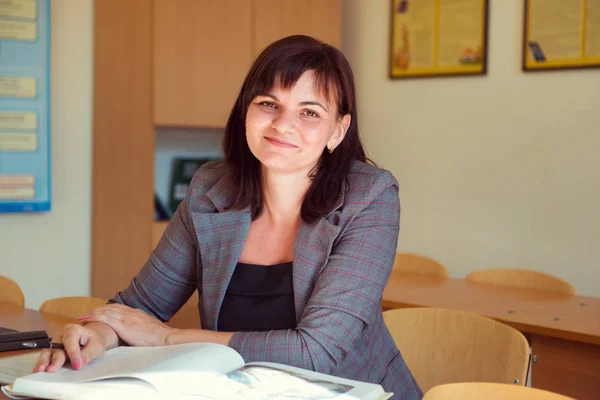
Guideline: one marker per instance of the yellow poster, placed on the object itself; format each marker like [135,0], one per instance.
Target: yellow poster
[436,37]
[17,86]
[18,120]
[592,30]
[18,9]
[10,29]
[18,141]
[561,34]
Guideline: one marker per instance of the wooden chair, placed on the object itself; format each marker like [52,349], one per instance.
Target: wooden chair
[10,292]
[521,278]
[71,307]
[489,391]
[419,264]
[445,346]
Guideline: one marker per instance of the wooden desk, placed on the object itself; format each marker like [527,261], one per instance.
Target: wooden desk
[564,331]
[23,319]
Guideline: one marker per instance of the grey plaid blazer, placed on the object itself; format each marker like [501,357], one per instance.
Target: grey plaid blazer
[341,265]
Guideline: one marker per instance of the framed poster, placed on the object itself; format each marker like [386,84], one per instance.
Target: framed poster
[438,38]
[561,34]
[24,105]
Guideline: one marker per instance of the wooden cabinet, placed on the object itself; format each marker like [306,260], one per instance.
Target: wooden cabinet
[203,50]
[274,19]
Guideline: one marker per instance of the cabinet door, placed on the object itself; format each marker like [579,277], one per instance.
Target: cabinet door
[275,19]
[202,51]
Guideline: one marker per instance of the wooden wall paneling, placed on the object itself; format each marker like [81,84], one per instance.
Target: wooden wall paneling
[123,143]
[274,19]
[202,53]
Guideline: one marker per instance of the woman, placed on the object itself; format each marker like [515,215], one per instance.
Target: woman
[295,189]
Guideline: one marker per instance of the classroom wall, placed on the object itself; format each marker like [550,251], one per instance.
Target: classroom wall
[495,171]
[49,254]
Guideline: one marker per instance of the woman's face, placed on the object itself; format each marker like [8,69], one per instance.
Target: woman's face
[288,129]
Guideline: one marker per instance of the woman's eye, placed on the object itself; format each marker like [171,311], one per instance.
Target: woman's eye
[268,104]
[310,113]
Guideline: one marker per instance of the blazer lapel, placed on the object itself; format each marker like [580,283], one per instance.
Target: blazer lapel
[221,237]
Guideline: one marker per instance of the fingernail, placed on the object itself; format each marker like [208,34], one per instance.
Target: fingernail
[84,317]
[76,364]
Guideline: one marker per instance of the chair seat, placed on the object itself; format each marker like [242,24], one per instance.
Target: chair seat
[72,307]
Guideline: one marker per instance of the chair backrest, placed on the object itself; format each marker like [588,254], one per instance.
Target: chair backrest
[521,278]
[10,292]
[419,264]
[71,307]
[445,346]
[489,391]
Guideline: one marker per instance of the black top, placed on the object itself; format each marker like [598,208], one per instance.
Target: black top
[259,298]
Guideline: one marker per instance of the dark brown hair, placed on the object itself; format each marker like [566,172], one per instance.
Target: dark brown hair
[286,60]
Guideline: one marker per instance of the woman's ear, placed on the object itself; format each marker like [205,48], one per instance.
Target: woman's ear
[340,132]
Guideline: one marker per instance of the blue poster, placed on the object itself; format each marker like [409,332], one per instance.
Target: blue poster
[25,106]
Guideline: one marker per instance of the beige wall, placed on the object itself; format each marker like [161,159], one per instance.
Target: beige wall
[49,254]
[501,170]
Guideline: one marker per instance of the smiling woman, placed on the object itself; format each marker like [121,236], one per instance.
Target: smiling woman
[289,241]
[308,89]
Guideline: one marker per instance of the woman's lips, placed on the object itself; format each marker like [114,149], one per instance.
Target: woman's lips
[280,143]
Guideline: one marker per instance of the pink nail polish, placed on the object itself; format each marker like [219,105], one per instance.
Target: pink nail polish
[76,364]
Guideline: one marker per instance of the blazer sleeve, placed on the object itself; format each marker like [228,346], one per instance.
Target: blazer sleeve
[346,297]
[168,278]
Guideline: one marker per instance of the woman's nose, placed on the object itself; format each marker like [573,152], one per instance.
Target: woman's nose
[285,122]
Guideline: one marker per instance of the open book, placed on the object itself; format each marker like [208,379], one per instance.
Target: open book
[194,370]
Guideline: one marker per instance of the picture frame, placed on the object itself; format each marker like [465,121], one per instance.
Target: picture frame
[559,35]
[427,41]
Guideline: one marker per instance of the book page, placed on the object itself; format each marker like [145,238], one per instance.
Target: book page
[15,367]
[113,389]
[266,381]
[179,369]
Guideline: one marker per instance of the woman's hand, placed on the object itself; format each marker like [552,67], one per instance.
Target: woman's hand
[95,339]
[133,326]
